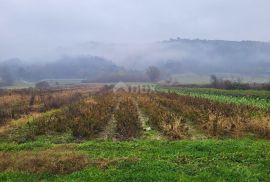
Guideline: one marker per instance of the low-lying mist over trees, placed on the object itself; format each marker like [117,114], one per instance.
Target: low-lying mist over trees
[97,62]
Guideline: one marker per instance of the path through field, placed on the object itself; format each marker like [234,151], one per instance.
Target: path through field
[148,132]
[109,132]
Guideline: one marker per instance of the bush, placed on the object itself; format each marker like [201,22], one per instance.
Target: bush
[42,85]
[128,124]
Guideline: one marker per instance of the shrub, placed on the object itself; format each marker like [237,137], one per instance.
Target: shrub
[42,85]
[128,124]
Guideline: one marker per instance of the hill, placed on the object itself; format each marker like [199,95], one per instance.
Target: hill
[80,67]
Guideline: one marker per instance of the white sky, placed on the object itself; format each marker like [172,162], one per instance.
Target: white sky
[32,27]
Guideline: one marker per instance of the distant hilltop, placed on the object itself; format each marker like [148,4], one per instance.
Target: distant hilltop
[210,40]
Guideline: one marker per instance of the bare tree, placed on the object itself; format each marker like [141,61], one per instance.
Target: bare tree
[153,73]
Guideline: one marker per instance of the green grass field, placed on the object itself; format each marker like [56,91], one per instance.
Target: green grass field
[143,160]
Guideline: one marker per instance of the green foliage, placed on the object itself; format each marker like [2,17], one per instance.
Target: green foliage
[35,145]
[207,160]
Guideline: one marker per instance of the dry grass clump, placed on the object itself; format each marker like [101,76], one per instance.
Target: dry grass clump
[13,106]
[224,126]
[56,100]
[43,162]
[59,160]
[260,126]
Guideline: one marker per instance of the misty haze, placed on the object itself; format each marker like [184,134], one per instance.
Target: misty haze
[133,90]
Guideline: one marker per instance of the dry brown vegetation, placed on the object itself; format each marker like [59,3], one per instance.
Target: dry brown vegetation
[15,103]
[84,119]
[218,119]
[60,160]
[54,162]
[87,115]
[168,122]
[128,124]
[43,162]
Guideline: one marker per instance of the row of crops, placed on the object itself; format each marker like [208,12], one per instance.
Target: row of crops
[217,118]
[260,99]
[14,104]
[85,113]
[170,114]
[132,136]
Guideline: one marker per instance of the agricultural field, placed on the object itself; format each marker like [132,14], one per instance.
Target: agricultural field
[94,133]
[255,98]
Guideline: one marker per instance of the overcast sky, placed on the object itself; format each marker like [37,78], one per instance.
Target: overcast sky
[36,26]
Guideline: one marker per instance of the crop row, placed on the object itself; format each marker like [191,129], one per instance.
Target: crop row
[169,113]
[14,104]
[219,119]
[84,119]
[242,98]
[161,119]
[127,119]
